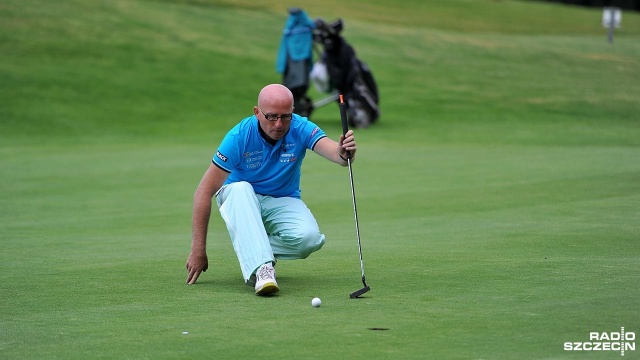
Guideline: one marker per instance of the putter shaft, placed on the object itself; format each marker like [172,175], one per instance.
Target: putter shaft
[343,117]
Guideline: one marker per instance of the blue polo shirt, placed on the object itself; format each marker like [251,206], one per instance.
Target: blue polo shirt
[273,170]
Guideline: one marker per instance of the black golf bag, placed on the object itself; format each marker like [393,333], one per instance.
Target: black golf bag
[348,75]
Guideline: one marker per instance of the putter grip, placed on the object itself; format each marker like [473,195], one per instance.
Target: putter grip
[343,115]
[343,118]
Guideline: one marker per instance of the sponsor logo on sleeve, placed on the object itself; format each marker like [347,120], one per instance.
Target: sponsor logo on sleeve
[220,156]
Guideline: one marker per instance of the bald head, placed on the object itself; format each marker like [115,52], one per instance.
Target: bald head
[274,100]
[276,95]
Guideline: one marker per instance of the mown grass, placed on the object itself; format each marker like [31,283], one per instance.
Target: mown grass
[497,197]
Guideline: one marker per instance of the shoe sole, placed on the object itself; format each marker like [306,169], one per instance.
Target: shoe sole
[267,289]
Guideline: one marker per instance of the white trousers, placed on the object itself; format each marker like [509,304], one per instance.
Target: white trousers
[264,228]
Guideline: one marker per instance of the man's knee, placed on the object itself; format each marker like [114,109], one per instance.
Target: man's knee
[240,188]
[311,241]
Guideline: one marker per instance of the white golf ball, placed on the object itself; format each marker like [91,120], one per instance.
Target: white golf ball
[316,302]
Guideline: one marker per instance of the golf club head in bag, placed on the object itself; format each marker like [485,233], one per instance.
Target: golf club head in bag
[345,128]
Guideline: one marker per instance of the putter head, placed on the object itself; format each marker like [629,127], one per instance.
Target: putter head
[357,294]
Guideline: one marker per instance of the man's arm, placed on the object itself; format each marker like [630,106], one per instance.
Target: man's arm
[337,151]
[211,182]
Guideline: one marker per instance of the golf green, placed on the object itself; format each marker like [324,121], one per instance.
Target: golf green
[498,196]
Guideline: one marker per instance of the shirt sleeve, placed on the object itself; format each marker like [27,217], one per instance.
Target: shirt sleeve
[313,133]
[226,157]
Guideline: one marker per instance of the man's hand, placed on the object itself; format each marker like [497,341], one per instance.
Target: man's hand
[336,151]
[347,144]
[211,182]
[196,264]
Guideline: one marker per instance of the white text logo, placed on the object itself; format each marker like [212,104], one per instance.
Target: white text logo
[606,341]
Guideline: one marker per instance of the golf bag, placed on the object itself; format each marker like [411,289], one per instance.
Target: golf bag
[295,59]
[347,74]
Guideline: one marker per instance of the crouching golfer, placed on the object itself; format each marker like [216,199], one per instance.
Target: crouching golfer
[255,178]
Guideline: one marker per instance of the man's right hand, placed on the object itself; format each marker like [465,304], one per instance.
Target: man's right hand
[196,264]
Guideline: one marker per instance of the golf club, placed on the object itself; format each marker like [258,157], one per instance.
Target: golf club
[345,128]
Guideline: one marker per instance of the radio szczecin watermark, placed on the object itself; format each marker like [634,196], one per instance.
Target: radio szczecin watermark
[605,341]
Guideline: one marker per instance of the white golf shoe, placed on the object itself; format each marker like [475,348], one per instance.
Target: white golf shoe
[266,280]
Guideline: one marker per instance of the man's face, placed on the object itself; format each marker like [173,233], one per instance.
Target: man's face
[274,119]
